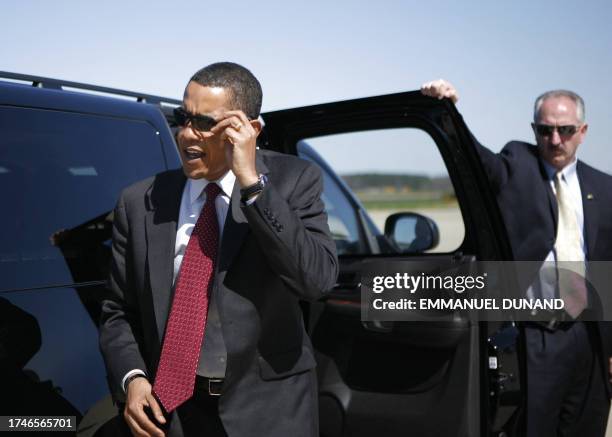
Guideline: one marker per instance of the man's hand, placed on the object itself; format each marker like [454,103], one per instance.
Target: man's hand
[440,89]
[139,396]
[240,152]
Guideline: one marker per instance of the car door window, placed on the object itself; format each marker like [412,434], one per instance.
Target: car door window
[341,215]
[394,171]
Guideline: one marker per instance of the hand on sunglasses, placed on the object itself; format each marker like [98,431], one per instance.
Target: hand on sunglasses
[241,134]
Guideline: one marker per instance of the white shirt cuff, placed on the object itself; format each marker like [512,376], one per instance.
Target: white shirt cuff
[127,375]
[252,200]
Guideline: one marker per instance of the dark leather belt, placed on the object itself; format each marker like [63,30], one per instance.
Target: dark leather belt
[209,386]
[549,325]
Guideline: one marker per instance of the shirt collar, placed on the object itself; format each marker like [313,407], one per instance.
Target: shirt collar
[196,186]
[568,172]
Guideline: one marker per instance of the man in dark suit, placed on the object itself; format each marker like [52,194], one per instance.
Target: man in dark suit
[556,209]
[203,333]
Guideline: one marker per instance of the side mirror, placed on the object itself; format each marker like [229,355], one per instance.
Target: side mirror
[412,232]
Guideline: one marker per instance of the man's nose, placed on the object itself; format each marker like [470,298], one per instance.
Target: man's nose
[555,138]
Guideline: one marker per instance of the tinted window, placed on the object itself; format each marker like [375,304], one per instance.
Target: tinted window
[340,214]
[49,355]
[60,176]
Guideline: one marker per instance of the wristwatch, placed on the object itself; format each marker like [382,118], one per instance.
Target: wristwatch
[131,378]
[247,192]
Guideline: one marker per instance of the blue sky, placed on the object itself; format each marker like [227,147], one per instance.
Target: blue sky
[500,55]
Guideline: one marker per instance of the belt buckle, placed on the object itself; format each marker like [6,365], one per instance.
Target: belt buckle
[214,386]
[558,318]
[553,324]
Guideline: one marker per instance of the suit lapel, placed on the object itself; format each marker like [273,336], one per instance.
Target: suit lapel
[234,231]
[552,199]
[236,225]
[589,209]
[160,223]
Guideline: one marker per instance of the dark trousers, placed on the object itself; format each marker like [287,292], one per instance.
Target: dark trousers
[200,416]
[566,393]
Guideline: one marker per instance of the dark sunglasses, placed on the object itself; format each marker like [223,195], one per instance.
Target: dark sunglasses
[546,130]
[199,122]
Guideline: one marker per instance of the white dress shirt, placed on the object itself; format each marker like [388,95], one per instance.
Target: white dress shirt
[545,287]
[192,202]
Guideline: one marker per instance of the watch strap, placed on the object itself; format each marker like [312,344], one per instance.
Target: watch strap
[251,190]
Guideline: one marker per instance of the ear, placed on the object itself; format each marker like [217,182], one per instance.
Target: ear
[256,124]
[582,132]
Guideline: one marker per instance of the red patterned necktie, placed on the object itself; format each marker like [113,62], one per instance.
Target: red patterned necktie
[175,378]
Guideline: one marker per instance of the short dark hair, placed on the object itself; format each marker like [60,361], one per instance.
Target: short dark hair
[244,88]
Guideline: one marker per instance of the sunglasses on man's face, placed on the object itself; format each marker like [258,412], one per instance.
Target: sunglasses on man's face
[201,123]
[546,130]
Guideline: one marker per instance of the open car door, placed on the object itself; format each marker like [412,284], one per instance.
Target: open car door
[437,377]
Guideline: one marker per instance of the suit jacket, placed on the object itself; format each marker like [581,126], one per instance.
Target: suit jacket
[273,253]
[529,209]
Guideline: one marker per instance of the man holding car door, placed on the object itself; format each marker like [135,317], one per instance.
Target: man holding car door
[556,209]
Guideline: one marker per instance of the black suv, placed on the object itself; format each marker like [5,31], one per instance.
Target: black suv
[67,150]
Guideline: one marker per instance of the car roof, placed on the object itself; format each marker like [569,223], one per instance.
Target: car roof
[50,94]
